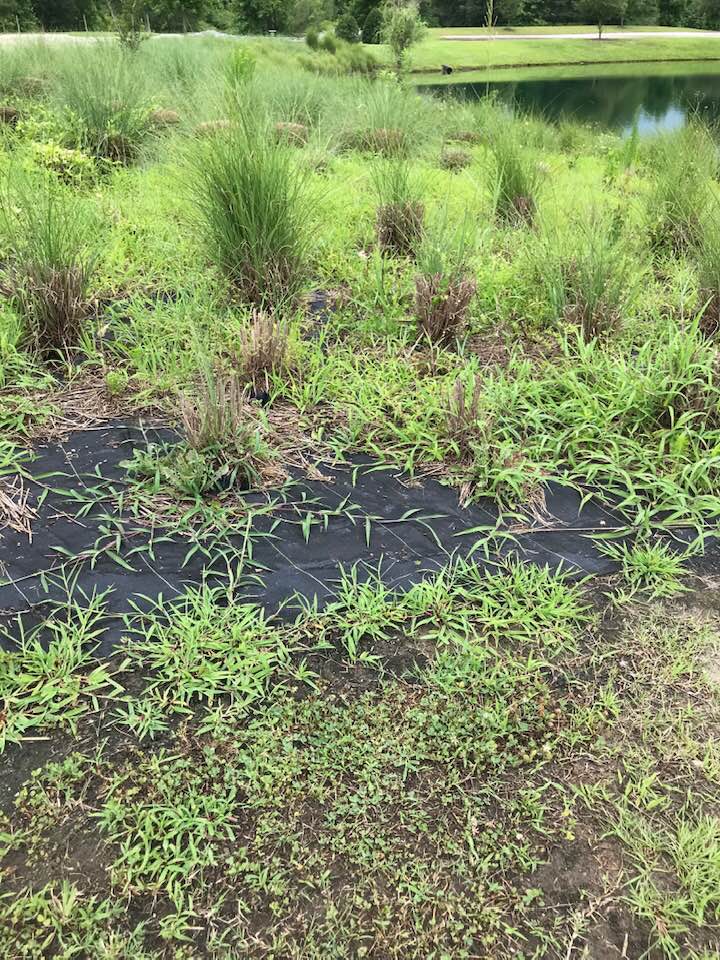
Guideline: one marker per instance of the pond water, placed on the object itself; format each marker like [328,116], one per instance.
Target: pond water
[652,100]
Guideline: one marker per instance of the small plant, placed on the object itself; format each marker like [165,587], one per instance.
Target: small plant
[455,159]
[464,423]
[263,348]
[52,240]
[251,208]
[116,382]
[652,567]
[294,134]
[239,71]
[515,177]
[400,216]
[312,38]
[590,286]
[71,166]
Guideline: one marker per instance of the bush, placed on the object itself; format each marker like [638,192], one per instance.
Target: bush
[372,28]
[312,38]
[454,159]
[52,236]
[347,28]
[328,42]
[251,210]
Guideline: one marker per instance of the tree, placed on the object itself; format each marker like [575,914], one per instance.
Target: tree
[372,28]
[259,16]
[641,11]
[347,28]
[508,11]
[67,14]
[603,11]
[707,14]
[402,28]
[14,12]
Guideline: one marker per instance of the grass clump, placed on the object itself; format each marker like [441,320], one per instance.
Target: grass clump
[105,104]
[444,288]
[252,212]
[590,284]
[263,349]
[400,215]
[514,176]
[683,165]
[52,237]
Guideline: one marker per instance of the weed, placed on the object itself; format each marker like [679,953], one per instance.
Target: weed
[263,348]
[515,176]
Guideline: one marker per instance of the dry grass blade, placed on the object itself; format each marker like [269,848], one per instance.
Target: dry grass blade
[15,510]
[441,306]
[220,412]
[263,348]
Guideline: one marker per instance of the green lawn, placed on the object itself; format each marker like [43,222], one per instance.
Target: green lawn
[480,55]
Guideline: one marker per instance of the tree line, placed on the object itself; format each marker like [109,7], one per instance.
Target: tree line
[296,16]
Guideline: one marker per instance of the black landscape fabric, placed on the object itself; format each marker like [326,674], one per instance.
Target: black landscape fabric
[363,513]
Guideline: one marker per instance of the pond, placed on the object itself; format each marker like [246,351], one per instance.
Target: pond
[654,98]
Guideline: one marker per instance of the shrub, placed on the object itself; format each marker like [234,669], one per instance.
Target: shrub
[348,29]
[402,28]
[51,235]
[400,216]
[515,177]
[105,104]
[328,42]
[372,28]
[251,209]
[353,58]
[312,38]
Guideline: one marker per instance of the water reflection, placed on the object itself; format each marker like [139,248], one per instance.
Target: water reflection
[652,102]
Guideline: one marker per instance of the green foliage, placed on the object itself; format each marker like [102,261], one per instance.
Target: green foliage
[373,26]
[402,29]
[514,175]
[602,12]
[347,28]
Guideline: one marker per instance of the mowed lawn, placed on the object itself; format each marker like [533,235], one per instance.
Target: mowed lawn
[478,55]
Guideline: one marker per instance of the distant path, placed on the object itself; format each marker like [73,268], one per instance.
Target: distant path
[607,35]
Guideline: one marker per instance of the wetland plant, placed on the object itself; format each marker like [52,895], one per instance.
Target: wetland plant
[263,348]
[105,104]
[52,239]
[515,177]
[444,287]
[251,210]
[684,164]
[400,215]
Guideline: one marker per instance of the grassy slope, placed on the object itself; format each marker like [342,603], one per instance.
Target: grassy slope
[473,54]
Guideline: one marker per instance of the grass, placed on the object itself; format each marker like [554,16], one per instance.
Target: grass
[475,55]
[500,759]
